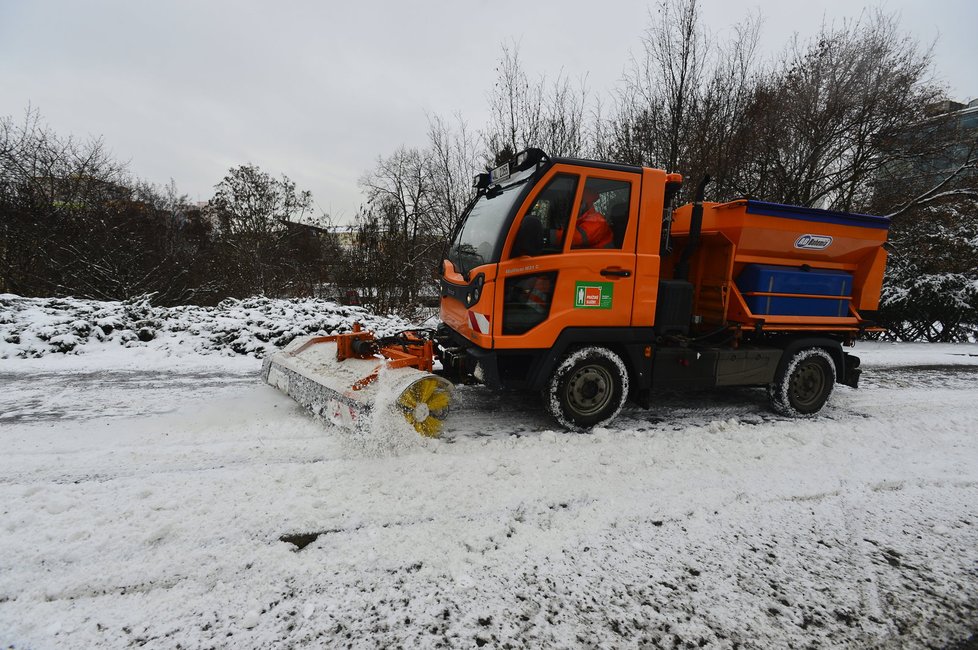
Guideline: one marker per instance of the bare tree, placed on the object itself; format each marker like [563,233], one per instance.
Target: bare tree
[541,113]
[453,159]
[717,141]
[73,222]
[662,88]
[49,186]
[400,200]
[820,119]
[401,182]
[251,201]
[685,97]
[253,210]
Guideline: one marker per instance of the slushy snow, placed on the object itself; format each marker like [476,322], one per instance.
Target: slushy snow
[156,493]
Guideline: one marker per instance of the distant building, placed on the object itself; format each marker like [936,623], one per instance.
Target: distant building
[346,236]
[937,145]
[958,134]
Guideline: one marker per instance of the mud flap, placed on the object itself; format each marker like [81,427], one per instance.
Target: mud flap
[852,371]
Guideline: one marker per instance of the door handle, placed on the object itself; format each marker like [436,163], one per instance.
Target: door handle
[616,272]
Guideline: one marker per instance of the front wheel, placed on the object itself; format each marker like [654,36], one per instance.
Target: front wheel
[804,384]
[587,389]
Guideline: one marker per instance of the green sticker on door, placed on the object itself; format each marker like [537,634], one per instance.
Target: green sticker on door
[593,295]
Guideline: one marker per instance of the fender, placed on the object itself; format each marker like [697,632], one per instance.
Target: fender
[830,345]
[628,342]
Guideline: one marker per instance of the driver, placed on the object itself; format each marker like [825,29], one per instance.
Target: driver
[593,229]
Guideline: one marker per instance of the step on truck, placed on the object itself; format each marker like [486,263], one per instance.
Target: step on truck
[579,280]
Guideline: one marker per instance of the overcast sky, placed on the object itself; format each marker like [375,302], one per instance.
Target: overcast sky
[186,89]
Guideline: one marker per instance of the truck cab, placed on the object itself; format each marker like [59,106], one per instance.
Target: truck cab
[571,277]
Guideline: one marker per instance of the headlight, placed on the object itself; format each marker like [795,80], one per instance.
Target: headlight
[475,290]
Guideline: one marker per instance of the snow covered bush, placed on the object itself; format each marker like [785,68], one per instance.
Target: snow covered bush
[35,327]
[931,287]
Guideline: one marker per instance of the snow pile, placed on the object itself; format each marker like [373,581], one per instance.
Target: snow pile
[37,327]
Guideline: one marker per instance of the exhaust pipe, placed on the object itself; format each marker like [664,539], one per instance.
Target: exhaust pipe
[695,226]
[672,190]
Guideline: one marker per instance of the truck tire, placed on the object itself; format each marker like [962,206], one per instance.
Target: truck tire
[588,389]
[803,385]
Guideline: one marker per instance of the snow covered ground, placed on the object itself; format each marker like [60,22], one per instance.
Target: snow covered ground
[154,497]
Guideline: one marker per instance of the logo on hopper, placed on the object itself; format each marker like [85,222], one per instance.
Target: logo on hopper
[813,242]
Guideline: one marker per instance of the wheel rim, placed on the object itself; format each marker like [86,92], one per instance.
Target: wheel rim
[589,390]
[807,383]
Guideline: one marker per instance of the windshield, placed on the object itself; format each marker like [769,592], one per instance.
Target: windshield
[477,240]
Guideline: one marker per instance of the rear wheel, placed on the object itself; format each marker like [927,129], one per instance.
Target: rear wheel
[804,384]
[587,389]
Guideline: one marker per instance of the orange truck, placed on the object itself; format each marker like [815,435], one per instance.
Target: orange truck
[745,293]
[578,279]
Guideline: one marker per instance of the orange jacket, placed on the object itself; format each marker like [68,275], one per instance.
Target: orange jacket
[592,231]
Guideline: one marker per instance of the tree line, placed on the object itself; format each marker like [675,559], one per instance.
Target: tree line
[73,221]
[840,120]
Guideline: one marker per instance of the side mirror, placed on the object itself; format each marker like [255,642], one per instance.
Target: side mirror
[529,238]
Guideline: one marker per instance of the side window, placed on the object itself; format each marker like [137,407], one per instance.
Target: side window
[602,216]
[553,210]
[526,301]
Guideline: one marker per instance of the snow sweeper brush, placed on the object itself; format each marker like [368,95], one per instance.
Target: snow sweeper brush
[345,377]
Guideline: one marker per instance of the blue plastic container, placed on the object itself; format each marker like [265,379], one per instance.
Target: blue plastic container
[836,286]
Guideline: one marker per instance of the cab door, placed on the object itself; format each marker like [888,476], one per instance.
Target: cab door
[584,274]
